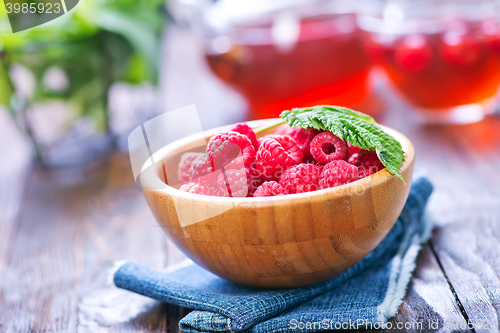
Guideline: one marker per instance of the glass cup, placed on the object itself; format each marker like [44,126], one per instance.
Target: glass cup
[443,56]
[285,54]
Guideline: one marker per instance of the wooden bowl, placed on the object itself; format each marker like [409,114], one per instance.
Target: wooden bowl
[276,242]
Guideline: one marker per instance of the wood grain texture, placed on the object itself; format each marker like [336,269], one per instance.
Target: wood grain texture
[473,267]
[15,160]
[13,168]
[278,242]
[72,222]
[429,304]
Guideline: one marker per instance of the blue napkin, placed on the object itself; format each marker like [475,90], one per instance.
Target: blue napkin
[364,296]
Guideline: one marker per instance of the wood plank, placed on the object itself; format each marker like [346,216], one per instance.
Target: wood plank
[15,159]
[15,153]
[468,217]
[74,222]
[428,300]
[467,246]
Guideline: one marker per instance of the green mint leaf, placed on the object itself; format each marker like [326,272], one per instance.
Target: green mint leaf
[355,127]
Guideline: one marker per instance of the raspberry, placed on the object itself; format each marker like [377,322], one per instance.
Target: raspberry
[275,154]
[266,137]
[303,137]
[254,179]
[183,170]
[301,178]
[200,166]
[352,149]
[337,173]
[459,49]
[246,130]
[368,163]
[234,182]
[491,32]
[353,158]
[380,46]
[198,188]
[223,148]
[413,53]
[326,147]
[269,189]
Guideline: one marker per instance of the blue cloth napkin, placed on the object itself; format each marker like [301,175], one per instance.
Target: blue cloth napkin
[364,296]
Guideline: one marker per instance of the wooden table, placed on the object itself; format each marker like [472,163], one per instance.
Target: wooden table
[61,230]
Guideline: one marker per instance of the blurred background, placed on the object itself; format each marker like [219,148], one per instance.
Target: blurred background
[76,86]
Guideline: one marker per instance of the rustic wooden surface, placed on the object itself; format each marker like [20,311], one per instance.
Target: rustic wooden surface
[61,230]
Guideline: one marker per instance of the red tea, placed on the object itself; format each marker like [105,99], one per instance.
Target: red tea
[443,69]
[326,65]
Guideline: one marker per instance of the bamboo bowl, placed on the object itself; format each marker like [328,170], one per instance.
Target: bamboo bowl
[276,242]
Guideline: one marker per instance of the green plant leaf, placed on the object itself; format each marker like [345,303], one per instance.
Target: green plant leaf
[6,90]
[96,44]
[143,38]
[355,127]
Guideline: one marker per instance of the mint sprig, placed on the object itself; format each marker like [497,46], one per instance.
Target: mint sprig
[355,127]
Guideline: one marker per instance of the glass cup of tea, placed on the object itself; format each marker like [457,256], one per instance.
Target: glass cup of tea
[285,54]
[443,56]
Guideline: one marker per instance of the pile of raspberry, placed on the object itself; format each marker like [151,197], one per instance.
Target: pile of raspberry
[293,160]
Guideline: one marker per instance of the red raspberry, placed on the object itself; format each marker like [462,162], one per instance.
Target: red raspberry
[200,166]
[246,130]
[353,158]
[198,188]
[183,170]
[254,179]
[275,154]
[326,147]
[380,46]
[368,163]
[459,49]
[269,189]
[265,137]
[223,148]
[352,149]
[337,173]
[303,137]
[301,178]
[234,182]
[283,129]
[491,31]
[413,53]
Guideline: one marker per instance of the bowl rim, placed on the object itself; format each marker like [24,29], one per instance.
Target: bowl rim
[149,175]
